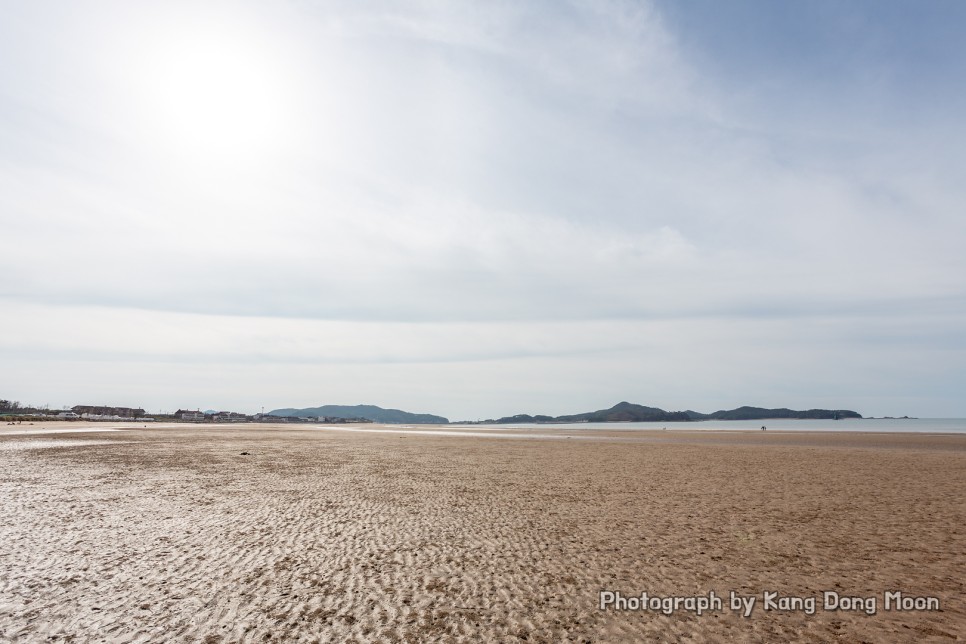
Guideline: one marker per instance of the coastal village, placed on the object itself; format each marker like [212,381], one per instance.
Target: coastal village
[14,412]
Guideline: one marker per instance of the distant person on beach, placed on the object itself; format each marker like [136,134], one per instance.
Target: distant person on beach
[762,428]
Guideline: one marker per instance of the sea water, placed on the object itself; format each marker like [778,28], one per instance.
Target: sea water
[887,425]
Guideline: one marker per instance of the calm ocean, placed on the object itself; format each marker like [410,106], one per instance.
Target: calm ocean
[918,425]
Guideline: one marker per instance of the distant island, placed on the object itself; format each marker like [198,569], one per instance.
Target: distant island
[629,412]
[365,412]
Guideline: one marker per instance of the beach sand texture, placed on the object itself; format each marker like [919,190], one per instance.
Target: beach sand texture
[171,534]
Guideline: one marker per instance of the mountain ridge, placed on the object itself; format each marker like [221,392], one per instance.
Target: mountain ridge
[621,412]
[368,412]
[631,412]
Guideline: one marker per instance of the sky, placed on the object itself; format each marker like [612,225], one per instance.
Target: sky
[483,209]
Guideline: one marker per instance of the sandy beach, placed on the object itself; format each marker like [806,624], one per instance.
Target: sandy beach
[278,533]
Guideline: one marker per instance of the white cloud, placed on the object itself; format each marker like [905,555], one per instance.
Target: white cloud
[466,370]
[442,184]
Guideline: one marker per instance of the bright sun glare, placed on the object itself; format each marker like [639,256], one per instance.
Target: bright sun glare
[217,99]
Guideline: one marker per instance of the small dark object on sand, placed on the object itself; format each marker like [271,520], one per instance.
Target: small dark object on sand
[245,454]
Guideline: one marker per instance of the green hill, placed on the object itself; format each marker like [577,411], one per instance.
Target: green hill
[630,412]
[369,412]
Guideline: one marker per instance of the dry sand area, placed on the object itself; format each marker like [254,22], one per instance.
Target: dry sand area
[172,534]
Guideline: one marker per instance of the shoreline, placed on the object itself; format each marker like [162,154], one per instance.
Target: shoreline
[776,437]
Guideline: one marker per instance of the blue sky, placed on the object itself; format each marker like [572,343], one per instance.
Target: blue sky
[479,210]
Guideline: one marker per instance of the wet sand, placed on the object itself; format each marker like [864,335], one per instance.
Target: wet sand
[170,533]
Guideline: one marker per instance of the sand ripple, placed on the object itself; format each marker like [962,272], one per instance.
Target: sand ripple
[332,537]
